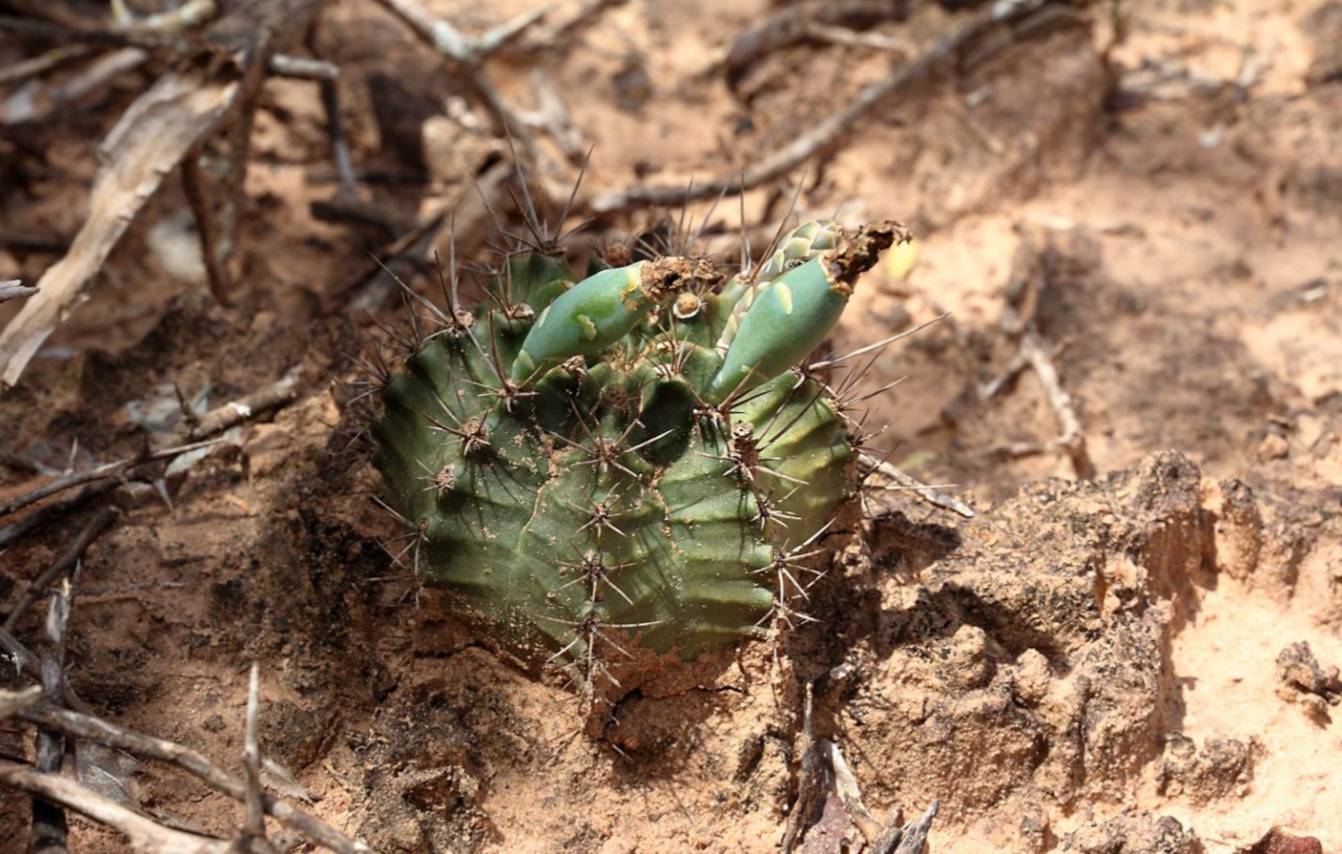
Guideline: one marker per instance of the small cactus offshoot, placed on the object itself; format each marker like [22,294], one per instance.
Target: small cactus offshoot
[636,457]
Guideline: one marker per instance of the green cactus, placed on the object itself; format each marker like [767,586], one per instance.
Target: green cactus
[585,470]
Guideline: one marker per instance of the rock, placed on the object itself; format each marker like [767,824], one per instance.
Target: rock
[1034,658]
[1300,679]
[1223,767]
[1238,528]
[1134,834]
[1277,841]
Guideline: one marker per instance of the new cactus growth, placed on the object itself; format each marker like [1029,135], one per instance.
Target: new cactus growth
[634,457]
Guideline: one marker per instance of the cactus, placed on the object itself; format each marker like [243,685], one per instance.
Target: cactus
[584,469]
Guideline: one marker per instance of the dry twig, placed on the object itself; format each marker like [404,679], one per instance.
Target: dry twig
[904,481]
[53,510]
[63,564]
[14,289]
[50,828]
[145,835]
[106,733]
[233,413]
[830,131]
[468,53]
[152,136]
[1017,321]
[812,781]
[254,825]
[103,472]
[13,703]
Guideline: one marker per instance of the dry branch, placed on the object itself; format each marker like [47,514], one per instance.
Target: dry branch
[63,564]
[50,827]
[910,838]
[1023,294]
[303,68]
[108,734]
[145,836]
[233,413]
[150,139]
[13,703]
[454,44]
[830,131]
[903,480]
[39,100]
[467,54]
[53,510]
[254,825]
[103,472]
[14,289]
[794,24]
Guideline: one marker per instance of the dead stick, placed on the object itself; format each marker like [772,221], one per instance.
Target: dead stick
[145,835]
[13,703]
[1072,440]
[903,480]
[96,729]
[198,196]
[53,510]
[215,421]
[254,825]
[231,414]
[303,68]
[14,289]
[63,564]
[451,42]
[103,472]
[50,827]
[827,133]
[24,660]
[910,838]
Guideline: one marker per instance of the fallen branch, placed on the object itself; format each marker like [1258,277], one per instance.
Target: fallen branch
[53,510]
[102,472]
[812,779]
[451,42]
[467,54]
[110,735]
[795,24]
[910,838]
[38,99]
[26,662]
[63,564]
[303,68]
[1022,295]
[233,413]
[144,835]
[1071,440]
[905,481]
[830,131]
[12,703]
[50,827]
[254,825]
[14,289]
[166,123]
[153,135]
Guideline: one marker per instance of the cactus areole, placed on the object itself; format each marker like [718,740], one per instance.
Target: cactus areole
[635,457]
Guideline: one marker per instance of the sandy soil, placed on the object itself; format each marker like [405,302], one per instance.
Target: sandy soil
[1090,665]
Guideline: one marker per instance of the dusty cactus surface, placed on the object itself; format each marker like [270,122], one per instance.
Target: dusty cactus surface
[641,455]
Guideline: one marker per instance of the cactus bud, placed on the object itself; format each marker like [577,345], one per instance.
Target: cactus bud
[790,317]
[599,311]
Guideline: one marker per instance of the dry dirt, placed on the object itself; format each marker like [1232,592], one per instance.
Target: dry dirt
[1090,665]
